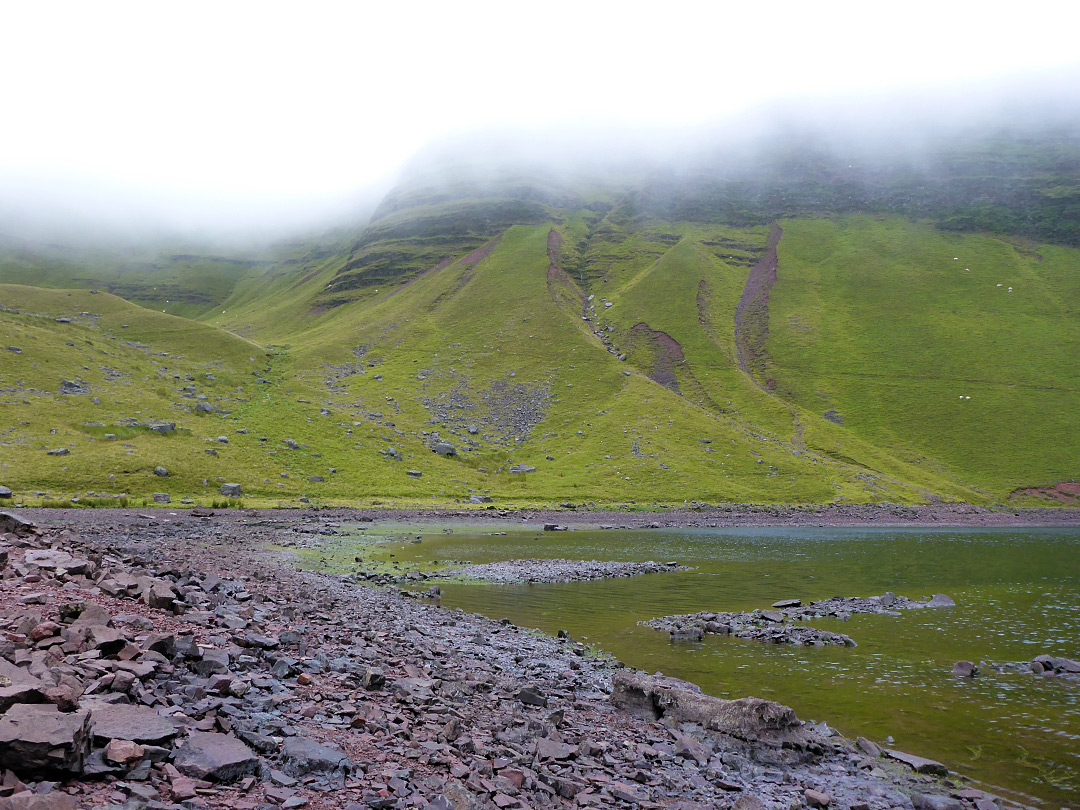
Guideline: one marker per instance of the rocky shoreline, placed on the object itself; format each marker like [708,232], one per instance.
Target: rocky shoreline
[173,661]
[516,572]
[771,624]
[714,516]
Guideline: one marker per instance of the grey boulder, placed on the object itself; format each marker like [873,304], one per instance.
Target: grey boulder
[122,721]
[301,755]
[215,757]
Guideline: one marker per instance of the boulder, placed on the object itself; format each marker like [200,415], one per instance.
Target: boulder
[124,752]
[232,490]
[964,669]
[374,678]
[122,721]
[1050,663]
[552,749]
[14,524]
[159,595]
[106,639]
[522,468]
[38,740]
[57,800]
[917,764]
[162,497]
[5,492]
[443,449]
[868,747]
[215,757]
[940,600]
[531,695]
[47,558]
[59,451]
[213,661]
[18,686]
[301,755]
[788,603]
[654,697]
[161,472]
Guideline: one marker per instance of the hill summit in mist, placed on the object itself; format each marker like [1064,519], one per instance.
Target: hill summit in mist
[777,316]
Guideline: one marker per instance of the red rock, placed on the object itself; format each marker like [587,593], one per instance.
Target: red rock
[44,630]
[124,751]
[303,679]
[515,777]
[815,798]
[182,787]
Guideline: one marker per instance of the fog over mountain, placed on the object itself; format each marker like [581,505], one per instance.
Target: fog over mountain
[256,118]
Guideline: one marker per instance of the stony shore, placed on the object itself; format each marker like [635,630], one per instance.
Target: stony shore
[165,660]
[534,571]
[772,624]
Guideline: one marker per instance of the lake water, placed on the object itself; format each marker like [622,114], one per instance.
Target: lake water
[1017,595]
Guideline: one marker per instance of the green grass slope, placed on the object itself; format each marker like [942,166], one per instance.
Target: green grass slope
[950,351]
[480,354]
[90,372]
[577,340]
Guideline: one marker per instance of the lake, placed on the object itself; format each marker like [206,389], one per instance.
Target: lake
[1017,595]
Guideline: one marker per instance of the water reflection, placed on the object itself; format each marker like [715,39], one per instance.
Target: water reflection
[1016,594]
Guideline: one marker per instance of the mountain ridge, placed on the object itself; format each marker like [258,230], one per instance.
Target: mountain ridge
[645,341]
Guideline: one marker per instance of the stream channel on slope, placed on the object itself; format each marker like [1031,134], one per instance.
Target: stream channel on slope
[1017,594]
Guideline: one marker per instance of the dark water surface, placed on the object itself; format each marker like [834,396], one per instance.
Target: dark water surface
[1017,595]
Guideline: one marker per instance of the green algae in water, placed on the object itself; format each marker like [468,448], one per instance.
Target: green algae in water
[1017,595]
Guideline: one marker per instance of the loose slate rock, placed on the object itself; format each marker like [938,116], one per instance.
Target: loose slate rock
[301,755]
[788,603]
[215,757]
[39,740]
[18,686]
[20,526]
[57,800]
[120,721]
[917,764]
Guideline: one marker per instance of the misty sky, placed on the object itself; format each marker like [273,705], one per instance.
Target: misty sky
[233,112]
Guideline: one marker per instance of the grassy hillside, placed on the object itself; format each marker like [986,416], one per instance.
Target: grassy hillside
[738,336]
[959,349]
[90,373]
